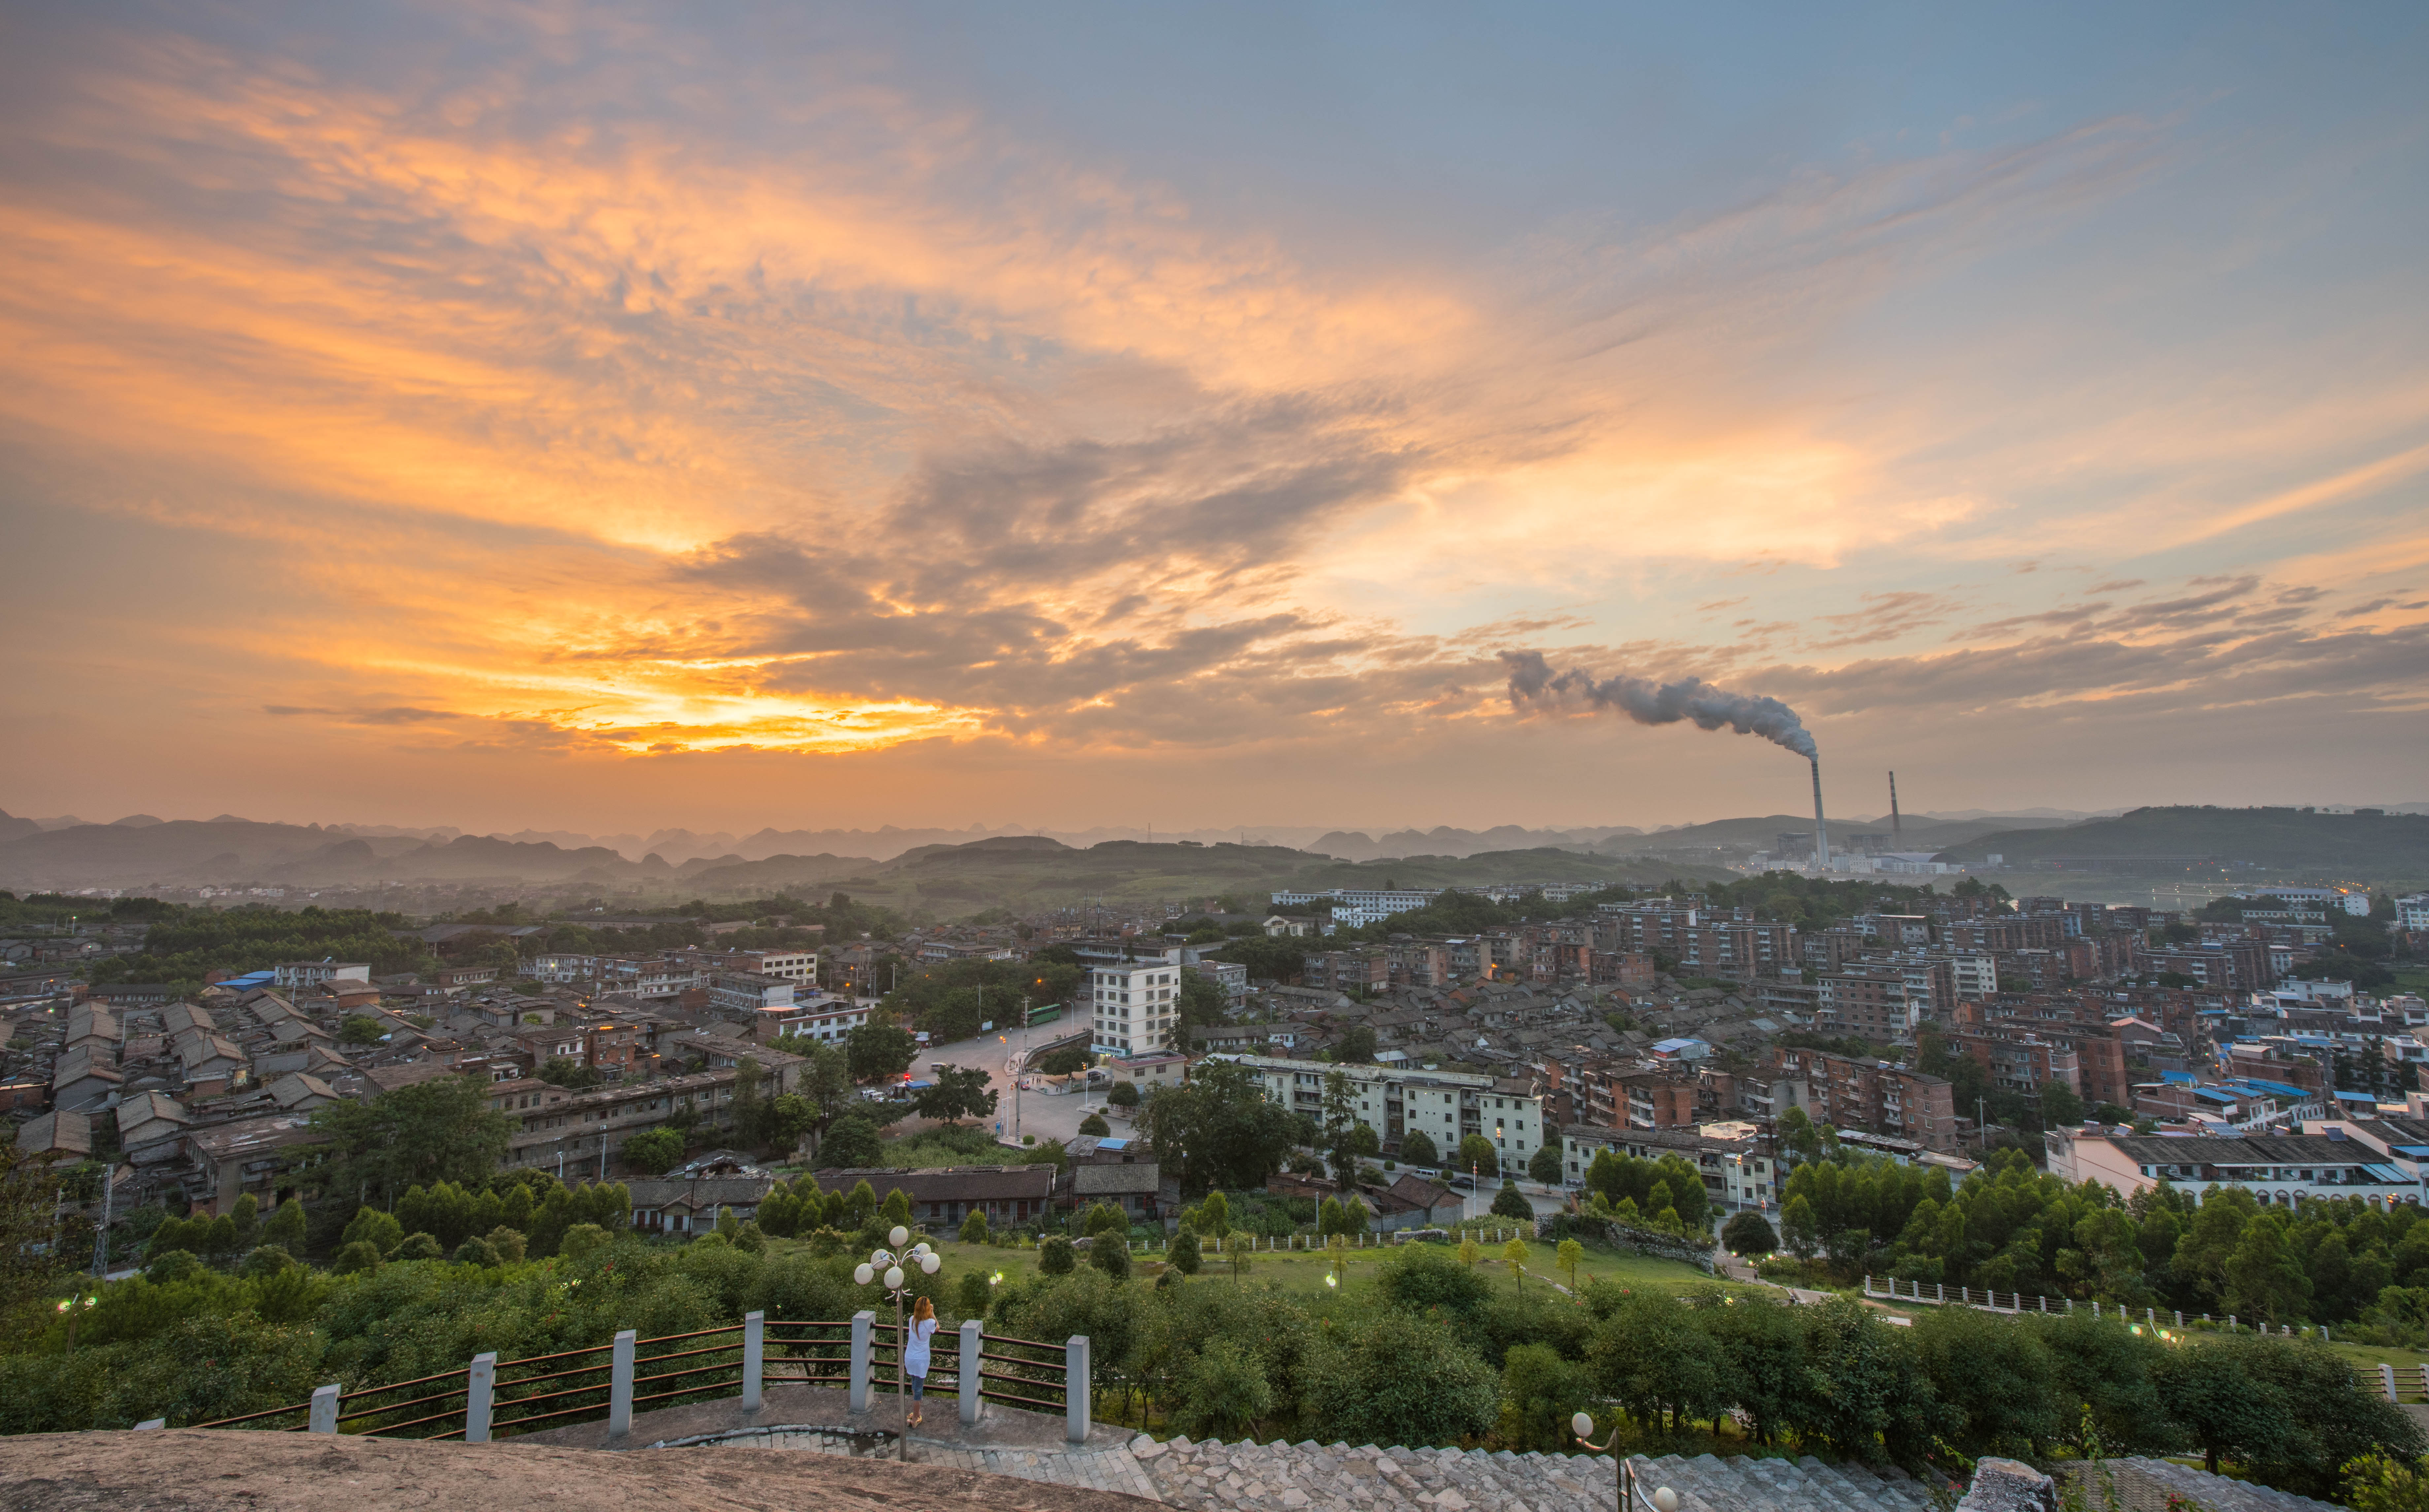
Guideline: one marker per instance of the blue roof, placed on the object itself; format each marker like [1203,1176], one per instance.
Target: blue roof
[2181,1077]
[2213,1095]
[2415,1152]
[1674,1044]
[2387,1173]
[2371,1098]
[251,978]
[1112,1145]
[2275,1089]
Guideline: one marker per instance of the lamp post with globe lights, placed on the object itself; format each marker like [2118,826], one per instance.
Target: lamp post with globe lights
[889,1269]
[1631,1497]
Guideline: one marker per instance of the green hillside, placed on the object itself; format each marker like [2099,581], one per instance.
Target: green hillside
[2347,846]
[1032,872]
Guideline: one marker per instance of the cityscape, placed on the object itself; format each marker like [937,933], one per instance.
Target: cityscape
[1330,760]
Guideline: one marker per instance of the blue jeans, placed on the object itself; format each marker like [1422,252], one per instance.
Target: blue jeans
[919,1388]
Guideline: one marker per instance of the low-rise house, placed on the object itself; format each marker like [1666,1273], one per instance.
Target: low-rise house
[1132,1188]
[689,1205]
[150,1124]
[944,1196]
[83,1079]
[62,1135]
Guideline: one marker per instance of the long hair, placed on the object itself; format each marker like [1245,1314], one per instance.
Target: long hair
[924,1312]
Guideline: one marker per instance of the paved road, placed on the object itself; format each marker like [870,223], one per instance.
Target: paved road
[1030,1113]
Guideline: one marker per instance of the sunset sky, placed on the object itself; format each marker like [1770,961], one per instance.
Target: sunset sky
[605,417]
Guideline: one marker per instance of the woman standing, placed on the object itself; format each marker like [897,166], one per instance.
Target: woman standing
[914,1355]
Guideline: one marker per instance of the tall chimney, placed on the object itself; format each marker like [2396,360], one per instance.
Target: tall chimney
[1821,829]
[1894,831]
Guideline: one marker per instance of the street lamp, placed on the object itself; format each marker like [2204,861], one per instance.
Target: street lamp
[886,1267]
[1632,1496]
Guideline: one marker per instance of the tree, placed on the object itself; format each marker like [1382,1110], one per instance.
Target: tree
[2264,1274]
[1477,1154]
[287,1228]
[1357,1046]
[573,1076]
[1545,1165]
[360,1029]
[1095,1123]
[1185,1255]
[1111,1254]
[974,1227]
[1569,1255]
[851,1141]
[1055,1256]
[790,1118]
[1514,1256]
[652,1150]
[1418,1148]
[2059,1106]
[1511,1202]
[1748,1233]
[878,1052]
[1216,1130]
[1063,1062]
[1800,1229]
[1123,1096]
[442,1129]
[1223,1389]
[959,1093]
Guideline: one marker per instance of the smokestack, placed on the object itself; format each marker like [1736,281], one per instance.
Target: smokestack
[1821,829]
[1894,831]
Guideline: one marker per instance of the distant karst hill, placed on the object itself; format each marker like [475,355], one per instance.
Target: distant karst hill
[2359,845]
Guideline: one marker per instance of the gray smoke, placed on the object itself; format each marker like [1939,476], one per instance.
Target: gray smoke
[1534,682]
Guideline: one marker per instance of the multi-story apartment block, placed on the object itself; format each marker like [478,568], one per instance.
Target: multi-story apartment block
[1446,1105]
[1355,908]
[2279,1169]
[315,973]
[1846,1092]
[1134,1005]
[788,965]
[1739,1167]
[1645,926]
[1973,977]
[748,992]
[2032,932]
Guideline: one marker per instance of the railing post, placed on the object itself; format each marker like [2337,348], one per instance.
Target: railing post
[480,1391]
[620,1385]
[972,1345]
[324,1409]
[2387,1381]
[754,1354]
[1077,1388]
[862,1323]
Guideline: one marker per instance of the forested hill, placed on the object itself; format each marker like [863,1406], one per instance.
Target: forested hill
[2347,845]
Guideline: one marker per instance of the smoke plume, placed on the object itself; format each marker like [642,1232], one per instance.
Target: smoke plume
[1532,682]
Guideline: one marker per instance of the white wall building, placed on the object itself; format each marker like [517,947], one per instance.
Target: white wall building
[1137,1005]
[1398,1100]
[1354,907]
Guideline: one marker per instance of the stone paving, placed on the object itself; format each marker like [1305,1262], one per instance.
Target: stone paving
[1250,1477]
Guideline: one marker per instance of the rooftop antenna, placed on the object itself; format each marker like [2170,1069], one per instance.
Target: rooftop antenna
[1894,831]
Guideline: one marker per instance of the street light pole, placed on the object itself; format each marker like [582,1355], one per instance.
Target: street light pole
[885,1266]
[1631,1495]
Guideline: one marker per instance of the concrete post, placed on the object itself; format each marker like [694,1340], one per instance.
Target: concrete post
[2387,1381]
[2230,1322]
[620,1385]
[1077,1384]
[1939,1291]
[2323,1333]
[2180,1317]
[152,1423]
[972,1345]
[480,1394]
[862,1323]
[754,1354]
[324,1409]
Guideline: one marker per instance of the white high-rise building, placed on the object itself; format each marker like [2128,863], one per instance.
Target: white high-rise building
[1137,1006]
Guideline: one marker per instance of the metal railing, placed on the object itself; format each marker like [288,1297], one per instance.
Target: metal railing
[490,1398]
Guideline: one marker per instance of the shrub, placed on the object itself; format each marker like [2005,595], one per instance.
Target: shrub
[357,1257]
[1749,1234]
[1123,1096]
[265,1260]
[974,1227]
[1422,1276]
[416,1247]
[1095,1123]
[1186,1256]
[1511,1202]
[509,1243]
[476,1251]
[172,1266]
[581,1240]
[1055,1256]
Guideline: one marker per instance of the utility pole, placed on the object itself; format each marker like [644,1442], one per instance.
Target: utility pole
[101,1235]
